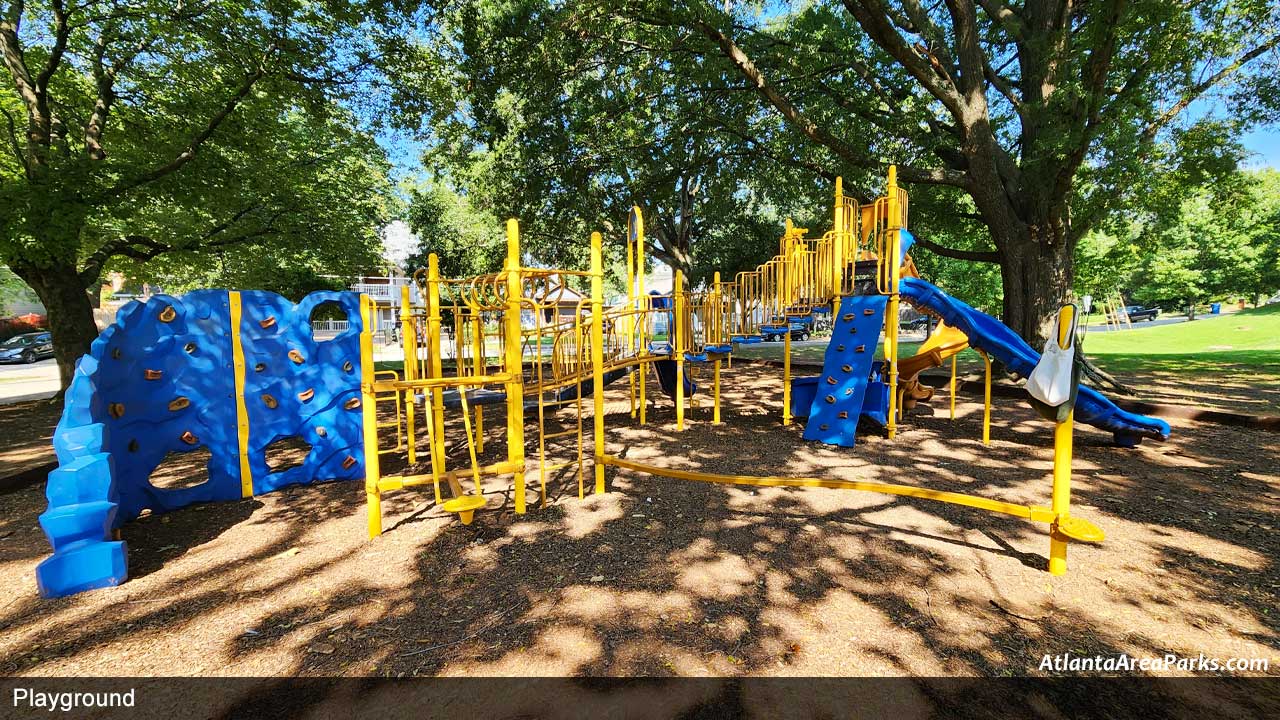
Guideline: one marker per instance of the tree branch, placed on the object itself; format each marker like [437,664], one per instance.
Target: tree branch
[987,256]
[1204,86]
[60,35]
[13,139]
[189,153]
[14,60]
[874,19]
[800,121]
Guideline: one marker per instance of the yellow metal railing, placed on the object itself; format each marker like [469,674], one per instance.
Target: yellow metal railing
[526,337]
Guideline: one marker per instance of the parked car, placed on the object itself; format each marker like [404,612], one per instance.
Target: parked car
[799,331]
[915,324]
[26,348]
[1137,313]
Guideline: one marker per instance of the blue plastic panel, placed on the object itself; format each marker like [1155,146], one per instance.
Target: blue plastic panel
[161,379]
[846,367]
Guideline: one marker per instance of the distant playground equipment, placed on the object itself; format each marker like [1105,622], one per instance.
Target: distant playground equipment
[245,374]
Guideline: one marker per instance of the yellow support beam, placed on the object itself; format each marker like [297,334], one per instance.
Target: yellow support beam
[514,363]
[676,331]
[597,356]
[1027,512]
[891,311]
[369,417]
[986,402]
[1062,441]
[242,413]
[409,343]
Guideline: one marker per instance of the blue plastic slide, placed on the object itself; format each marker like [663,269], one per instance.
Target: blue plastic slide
[1002,343]
[667,378]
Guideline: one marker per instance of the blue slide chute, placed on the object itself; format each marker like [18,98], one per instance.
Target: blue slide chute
[667,378]
[1002,343]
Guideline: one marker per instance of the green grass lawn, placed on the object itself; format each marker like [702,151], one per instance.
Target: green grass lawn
[1247,338]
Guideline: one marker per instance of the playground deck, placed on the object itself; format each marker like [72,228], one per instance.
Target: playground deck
[670,577]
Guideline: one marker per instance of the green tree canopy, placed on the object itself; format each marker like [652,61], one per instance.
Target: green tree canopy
[1045,116]
[139,130]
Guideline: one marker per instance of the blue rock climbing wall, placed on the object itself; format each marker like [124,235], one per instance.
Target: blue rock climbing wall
[162,379]
[846,368]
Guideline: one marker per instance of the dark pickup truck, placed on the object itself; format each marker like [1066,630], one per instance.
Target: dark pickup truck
[1137,313]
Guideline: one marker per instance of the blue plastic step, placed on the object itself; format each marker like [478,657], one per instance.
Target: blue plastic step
[846,369]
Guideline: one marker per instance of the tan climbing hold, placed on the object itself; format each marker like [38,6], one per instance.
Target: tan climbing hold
[269,401]
[152,374]
[306,395]
[116,410]
[296,357]
[321,431]
[270,321]
[179,403]
[168,314]
[348,462]
[352,404]
[190,438]
[346,366]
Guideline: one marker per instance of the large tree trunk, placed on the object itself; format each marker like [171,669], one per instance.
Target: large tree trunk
[1037,272]
[69,309]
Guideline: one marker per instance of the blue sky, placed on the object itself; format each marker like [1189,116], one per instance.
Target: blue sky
[1266,143]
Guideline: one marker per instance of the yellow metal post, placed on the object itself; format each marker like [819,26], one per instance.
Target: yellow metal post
[369,417]
[891,311]
[677,343]
[1062,437]
[786,374]
[1062,433]
[986,402]
[715,413]
[717,312]
[515,364]
[642,302]
[953,387]
[597,356]
[242,413]
[629,321]
[837,248]
[481,364]
[436,370]
[409,341]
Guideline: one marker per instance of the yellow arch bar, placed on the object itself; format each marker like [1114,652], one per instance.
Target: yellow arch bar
[1027,512]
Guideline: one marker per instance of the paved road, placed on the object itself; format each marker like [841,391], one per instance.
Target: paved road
[1162,320]
[28,382]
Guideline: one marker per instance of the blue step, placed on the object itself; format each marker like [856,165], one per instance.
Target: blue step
[846,368]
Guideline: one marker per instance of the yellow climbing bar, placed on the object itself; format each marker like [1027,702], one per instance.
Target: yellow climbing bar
[1034,513]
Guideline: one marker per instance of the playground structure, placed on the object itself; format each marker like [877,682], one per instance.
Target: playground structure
[264,378]
[855,272]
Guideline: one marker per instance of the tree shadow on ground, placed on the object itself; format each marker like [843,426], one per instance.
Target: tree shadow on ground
[665,577]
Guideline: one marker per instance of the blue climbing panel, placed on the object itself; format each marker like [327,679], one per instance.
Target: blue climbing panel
[161,379]
[837,401]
